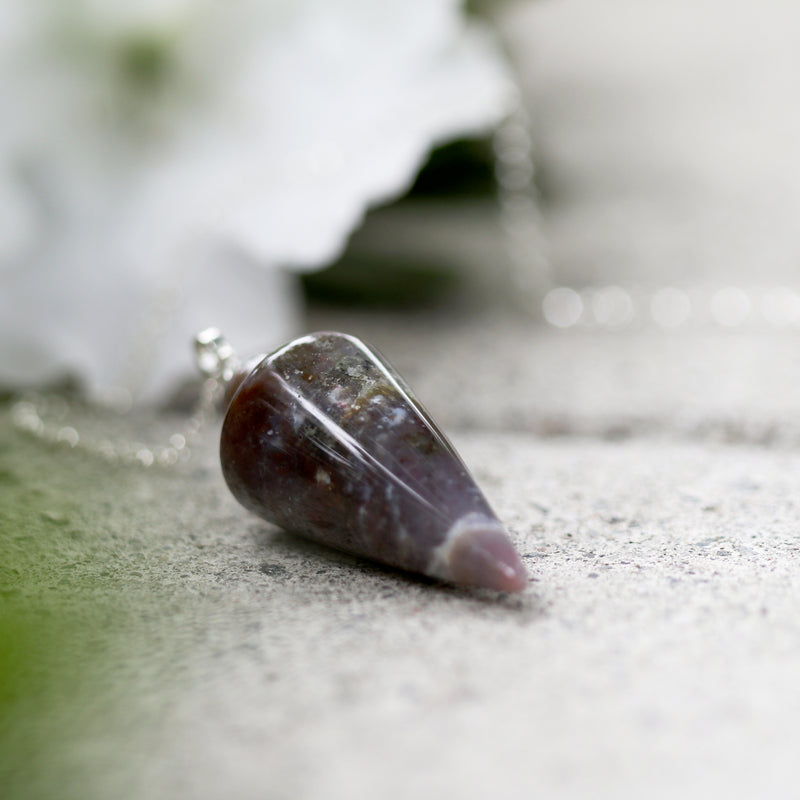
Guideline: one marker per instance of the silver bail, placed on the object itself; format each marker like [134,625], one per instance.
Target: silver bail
[214,355]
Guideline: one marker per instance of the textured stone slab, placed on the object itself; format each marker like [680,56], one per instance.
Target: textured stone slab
[504,372]
[203,654]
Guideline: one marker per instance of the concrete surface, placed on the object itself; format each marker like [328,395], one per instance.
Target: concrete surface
[200,654]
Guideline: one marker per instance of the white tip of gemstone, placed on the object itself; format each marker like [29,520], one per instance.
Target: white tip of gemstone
[479,553]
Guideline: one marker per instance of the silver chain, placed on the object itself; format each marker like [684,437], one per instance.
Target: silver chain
[531,271]
[51,418]
[611,307]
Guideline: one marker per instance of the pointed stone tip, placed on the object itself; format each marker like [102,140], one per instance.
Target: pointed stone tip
[482,555]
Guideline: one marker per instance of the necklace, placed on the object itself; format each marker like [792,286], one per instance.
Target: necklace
[323,438]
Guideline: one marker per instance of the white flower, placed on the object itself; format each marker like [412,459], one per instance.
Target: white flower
[161,162]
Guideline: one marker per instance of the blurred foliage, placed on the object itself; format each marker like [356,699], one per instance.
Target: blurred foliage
[55,629]
[356,281]
[144,61]
[486,8]
[43,685]
[460,170]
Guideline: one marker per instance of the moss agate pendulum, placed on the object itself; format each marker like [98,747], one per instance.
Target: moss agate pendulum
[323,439]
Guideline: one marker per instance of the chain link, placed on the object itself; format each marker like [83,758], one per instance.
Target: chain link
[531,270]
[51,418]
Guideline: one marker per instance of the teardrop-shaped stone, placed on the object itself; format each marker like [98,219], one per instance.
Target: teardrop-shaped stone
[322,438]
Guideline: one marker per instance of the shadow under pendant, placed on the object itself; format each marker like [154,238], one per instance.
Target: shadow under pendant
[324,439]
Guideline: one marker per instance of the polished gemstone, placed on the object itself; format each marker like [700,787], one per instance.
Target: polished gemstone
[322,438]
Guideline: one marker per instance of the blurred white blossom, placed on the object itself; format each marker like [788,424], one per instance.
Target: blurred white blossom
[163,162]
